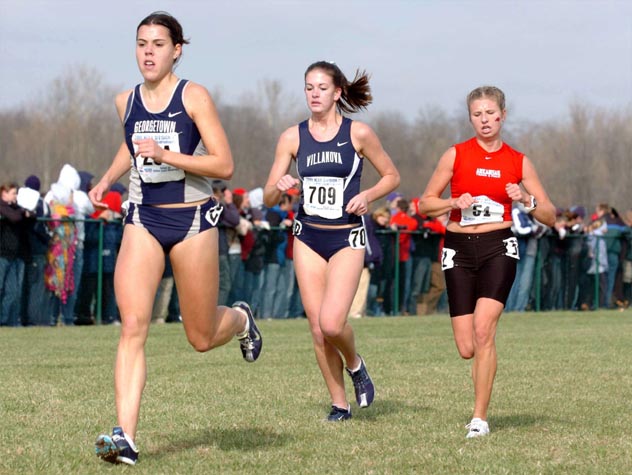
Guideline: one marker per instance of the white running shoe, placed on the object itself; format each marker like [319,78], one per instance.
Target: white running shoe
[477,427]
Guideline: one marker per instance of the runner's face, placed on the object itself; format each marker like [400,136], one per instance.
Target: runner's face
[320,92]
[155,52]
[486,117]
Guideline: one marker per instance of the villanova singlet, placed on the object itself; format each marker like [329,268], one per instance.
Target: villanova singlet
[153,183]
[330,174]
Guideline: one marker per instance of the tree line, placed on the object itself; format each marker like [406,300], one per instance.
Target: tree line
[582,159]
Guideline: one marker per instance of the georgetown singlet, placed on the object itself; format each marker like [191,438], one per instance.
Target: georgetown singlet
[330,175]
[153,183]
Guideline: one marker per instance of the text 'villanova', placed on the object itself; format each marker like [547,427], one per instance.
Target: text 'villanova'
[324,157]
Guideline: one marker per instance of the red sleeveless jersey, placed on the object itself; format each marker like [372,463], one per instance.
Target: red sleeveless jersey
[479,172]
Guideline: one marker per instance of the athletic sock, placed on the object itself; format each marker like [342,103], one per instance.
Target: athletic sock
[356,369]
[244,333]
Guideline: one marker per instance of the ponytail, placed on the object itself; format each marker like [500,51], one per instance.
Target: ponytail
[356,95]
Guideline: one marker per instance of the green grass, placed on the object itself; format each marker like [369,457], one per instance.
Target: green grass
[561,403]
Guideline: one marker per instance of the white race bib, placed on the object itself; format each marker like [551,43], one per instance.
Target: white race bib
[154,172]
[511,246]
[323,196]
[484,210]
[357,238]
[447,258]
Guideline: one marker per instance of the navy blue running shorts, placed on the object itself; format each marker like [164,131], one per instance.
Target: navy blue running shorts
[173,225]
[327,242]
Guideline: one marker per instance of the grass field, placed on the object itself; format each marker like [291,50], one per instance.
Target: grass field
[561,404]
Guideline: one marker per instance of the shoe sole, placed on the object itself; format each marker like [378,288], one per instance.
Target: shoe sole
[341,419]
[364,402]
[248,356]
[125,460]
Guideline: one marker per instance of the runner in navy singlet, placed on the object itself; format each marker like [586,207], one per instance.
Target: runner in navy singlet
[480,252]
[329,243]
[174,143]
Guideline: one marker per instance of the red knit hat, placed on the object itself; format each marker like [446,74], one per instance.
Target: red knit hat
[113,200]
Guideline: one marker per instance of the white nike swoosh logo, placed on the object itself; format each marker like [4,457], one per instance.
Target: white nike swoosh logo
[173,114]
[343,143]
[488,158]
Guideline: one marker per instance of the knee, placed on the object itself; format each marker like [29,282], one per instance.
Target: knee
[202,345]
[202,341]
[483,338]
[331,330]
[467,353]
[133,328]
[317,336]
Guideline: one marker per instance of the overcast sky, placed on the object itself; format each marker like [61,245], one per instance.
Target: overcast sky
[545,55]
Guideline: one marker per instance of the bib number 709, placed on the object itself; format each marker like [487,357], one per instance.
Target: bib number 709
[322,195]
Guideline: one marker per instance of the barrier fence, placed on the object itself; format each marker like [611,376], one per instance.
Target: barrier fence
[540,277]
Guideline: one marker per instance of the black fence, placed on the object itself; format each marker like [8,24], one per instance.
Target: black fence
[558,281]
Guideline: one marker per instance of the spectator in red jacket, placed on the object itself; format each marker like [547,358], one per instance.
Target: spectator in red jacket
[405,223]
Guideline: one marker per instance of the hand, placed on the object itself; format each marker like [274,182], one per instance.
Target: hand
[96,195]
[148,148]
[286,182]
[514,192]
[462,202]
[358,205]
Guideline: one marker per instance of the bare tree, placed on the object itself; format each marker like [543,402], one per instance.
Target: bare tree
[75,123]
[583,159]
[253,127]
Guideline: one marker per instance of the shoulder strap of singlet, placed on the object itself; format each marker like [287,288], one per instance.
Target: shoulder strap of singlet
[130,101]
[179,92]
[303,133]
[345,127]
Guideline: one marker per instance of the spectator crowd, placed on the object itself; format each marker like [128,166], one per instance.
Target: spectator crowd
[57,257]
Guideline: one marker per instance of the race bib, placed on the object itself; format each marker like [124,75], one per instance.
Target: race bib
[357,238]
[213,214]
[297,227]
[484,210]
[323,196]
[447,258]
[151,171]
[511,247]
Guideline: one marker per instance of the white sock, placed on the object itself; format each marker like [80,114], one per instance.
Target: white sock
[356,369]
[244,333]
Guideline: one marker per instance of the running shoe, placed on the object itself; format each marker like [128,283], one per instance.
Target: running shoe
[338,414]
[116,448]
[364,390]
[477,427]
[251,342]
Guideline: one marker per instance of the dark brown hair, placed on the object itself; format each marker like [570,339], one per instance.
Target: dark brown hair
[170,23]
[356,95]
[238,200]
[7,186]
